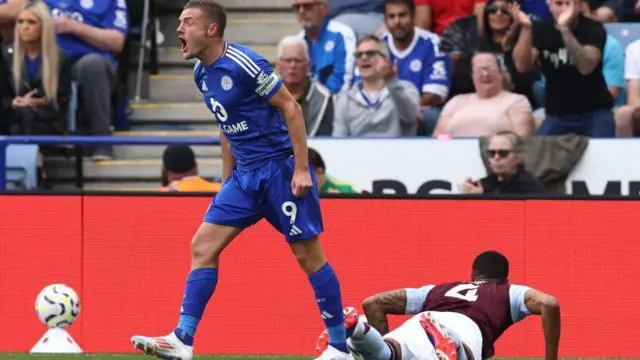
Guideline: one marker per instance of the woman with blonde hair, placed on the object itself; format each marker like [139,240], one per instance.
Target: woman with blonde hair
[40,74]
[491,109]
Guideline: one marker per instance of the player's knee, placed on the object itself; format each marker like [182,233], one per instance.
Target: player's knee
[203,252]
[309,255]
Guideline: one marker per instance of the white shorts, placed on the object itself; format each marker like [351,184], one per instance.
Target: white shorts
[415,344]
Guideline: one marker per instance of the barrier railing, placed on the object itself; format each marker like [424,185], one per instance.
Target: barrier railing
[93,141]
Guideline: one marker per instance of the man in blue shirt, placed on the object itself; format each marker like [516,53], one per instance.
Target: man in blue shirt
[92,33]
[266,175]
[332,45]
[419,59]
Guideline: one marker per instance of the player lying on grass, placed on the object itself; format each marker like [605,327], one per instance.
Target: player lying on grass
[453,321]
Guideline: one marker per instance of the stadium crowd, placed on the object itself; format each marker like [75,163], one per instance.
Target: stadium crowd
[466,68]
[477,67]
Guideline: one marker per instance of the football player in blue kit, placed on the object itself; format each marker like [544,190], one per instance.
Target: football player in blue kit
[266,174]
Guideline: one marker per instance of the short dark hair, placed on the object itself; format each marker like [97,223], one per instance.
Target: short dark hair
[212,10]
[491,265]
[179,158]
[409,3]
[316,160]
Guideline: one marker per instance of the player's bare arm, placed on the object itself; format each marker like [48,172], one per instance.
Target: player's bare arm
[377,307]
[524,54]
[228,160]
[539,303]
[294,119]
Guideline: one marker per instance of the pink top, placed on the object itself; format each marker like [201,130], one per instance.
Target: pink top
[471,116]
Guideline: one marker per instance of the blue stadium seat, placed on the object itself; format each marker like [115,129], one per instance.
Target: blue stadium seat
[22,167]
[626,33]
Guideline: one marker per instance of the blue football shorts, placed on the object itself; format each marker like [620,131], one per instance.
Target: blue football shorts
[248,196]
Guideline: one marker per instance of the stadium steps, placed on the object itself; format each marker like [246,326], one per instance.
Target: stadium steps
[250,29]
[122,170]
[234,5]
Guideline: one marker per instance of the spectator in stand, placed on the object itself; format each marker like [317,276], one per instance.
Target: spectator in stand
[419,59]
[462,39]
[180,171]
[569,49]
[331,44]
[363,16]
[380,104]
[612,66]
[491,109]
[41,75]
[328,184]
[40,79]
[292,64]
[92,33]
[508,174]
[435,15]
[628,116]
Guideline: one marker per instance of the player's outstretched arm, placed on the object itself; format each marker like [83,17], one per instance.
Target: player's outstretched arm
[228,160]
[377,307]
[539,303]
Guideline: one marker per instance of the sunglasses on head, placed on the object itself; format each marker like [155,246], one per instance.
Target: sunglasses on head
[368,53]
[500,152]
[493,9]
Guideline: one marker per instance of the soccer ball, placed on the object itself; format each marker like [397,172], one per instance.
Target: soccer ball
[57,306]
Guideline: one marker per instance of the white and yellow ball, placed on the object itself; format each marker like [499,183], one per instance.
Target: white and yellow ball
[57,306]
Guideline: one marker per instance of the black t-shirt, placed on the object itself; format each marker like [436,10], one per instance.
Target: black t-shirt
[567,91]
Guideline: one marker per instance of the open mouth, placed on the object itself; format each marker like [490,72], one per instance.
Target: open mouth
[183,44]
[366,66]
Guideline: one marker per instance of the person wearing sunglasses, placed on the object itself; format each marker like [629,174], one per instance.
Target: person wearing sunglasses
[462,38]
[379,104]
[508,174]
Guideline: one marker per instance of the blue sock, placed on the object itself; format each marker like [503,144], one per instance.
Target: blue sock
[327,290]
[200,286]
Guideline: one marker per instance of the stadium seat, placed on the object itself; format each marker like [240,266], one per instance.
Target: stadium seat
[22,167]
[626,33]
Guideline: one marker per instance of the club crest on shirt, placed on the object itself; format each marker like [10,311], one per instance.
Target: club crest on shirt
[86,4]
[415,65]
[226,83]
[329,45]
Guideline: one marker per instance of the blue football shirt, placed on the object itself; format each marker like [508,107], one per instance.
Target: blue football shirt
[104,14]
[422,63]
[236,88]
